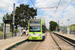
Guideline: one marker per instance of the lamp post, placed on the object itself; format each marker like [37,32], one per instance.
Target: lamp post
[68,30]
[13,18]
[68,21]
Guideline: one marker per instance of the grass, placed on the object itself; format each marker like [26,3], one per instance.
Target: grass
[1,34]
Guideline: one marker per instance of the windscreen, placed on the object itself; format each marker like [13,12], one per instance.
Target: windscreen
[35,25]
[34,28]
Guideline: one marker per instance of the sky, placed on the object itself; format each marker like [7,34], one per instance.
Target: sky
[65,10]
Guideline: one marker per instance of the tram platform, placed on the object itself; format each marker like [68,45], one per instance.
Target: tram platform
[69,36]
[6,43]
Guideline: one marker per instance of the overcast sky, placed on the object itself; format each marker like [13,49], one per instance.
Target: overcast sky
[62,14]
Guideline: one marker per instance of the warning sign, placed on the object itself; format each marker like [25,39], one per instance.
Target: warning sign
[7,28]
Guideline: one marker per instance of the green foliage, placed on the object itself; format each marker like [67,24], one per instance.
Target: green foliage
[8,17]
[73,27]
[1,29]
[1,32]
[16,30]
[53,25]
[23,14]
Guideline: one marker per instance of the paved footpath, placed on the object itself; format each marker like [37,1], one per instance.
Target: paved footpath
[11,41]
[71,36]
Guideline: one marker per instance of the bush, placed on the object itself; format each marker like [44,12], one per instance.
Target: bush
[1,29]
[14,30]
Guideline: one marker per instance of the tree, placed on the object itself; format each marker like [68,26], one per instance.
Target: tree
[8,17]
[53,25]
[23,14]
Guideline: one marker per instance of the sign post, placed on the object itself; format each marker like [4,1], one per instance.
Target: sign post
[7,28]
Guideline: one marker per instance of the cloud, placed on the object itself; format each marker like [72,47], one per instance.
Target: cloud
[46,3]
[62,16]
[0,20]
[7,5]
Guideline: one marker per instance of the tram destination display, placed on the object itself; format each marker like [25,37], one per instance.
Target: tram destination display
[36,21]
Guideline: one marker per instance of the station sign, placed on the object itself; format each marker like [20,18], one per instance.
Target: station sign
[7,28]
[7,21]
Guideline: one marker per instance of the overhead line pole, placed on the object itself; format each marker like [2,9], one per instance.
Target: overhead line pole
[57,7]
[13,18]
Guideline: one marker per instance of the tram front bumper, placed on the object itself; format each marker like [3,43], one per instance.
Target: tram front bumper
[35,38]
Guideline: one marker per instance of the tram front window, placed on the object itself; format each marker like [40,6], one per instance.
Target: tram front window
[34,28]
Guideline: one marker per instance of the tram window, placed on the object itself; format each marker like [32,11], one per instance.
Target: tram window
[43,29]
[34,28]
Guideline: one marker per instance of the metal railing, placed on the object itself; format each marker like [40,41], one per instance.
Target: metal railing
[72,32]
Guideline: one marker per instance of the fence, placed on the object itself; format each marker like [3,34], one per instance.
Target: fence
[72,32]
[1,36]
[7,35]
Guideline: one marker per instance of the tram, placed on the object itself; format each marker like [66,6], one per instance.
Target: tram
[36,29]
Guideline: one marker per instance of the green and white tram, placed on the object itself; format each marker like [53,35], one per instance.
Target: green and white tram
[35,29]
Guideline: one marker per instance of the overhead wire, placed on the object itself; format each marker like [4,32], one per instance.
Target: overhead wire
[42,7]
[66,6]
[46,7]
[57,8]
[34,6]
[20,1]
[33,3]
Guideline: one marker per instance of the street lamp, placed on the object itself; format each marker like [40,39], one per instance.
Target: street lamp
[13,18]
[68,30]
[68,21]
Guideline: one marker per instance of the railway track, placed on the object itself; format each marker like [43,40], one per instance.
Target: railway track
[56,42]
[66,40]
[62,43]
[29,45]
[47,44]
[51,42]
